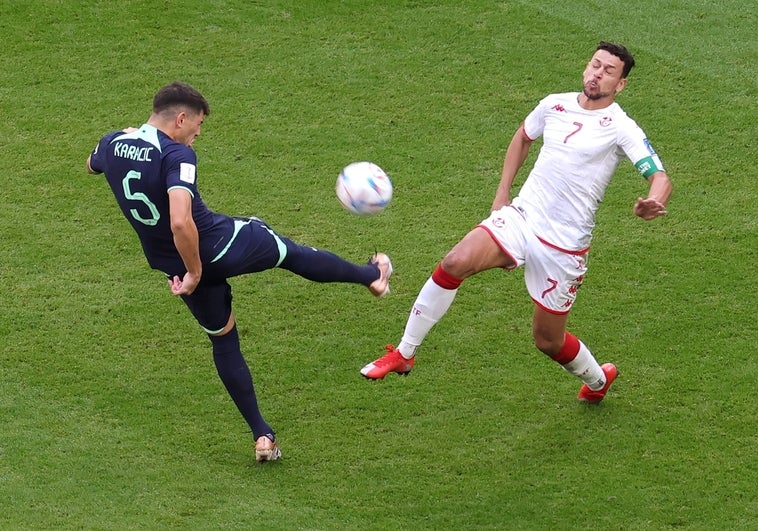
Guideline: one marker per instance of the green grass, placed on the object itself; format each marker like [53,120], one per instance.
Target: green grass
[112,414]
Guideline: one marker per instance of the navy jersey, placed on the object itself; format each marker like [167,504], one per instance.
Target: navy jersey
[141,167]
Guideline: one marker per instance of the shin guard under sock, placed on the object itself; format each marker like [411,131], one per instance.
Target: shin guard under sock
[432,303]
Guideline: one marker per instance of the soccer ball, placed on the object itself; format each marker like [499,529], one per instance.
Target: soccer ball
[363,188]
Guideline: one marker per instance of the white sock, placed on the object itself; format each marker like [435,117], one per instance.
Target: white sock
[586,368]
[431,304]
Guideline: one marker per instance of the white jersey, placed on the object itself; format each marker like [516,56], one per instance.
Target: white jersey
[581,151]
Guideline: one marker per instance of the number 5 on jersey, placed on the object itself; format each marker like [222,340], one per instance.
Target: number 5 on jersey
[139,196]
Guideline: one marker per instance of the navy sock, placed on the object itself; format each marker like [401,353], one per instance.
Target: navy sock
[323,266]
[235,374]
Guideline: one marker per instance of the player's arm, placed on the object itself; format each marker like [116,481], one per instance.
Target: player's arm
[89,166]
[186,240]
[515,156]
[654,204]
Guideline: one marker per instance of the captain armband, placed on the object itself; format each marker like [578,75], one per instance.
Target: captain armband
[648,166]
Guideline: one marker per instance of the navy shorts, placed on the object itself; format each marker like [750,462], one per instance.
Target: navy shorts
[254,247]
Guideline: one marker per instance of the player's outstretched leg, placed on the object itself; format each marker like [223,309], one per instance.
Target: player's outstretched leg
[432,302]
[319,265]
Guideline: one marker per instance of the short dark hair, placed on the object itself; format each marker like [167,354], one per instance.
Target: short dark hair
[178,94]
[621,52]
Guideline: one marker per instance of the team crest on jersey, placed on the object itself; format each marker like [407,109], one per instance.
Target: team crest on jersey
[605,121]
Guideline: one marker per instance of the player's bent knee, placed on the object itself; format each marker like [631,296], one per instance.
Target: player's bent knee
[456,264]
[230,323]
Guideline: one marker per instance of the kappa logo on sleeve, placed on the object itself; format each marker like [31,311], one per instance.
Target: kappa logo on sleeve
[187,173]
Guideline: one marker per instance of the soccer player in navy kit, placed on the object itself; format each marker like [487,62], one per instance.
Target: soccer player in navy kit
[152,173]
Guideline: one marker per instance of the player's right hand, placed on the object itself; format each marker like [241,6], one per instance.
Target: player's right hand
[185,285]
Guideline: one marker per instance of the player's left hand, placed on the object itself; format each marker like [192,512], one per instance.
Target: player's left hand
[185,285]
[649,209]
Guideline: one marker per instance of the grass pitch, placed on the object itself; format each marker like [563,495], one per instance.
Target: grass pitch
[112,414]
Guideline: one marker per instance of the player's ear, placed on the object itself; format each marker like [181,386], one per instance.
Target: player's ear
[620,85]
[179,119]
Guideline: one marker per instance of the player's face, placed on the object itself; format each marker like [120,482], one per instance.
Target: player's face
[602,77]
[189,127]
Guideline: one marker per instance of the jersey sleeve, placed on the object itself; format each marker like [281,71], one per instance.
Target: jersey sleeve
[97,161]
[181,169]
[534,123]
[638,148]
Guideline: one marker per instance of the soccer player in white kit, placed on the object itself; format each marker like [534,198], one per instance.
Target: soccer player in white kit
[547,228]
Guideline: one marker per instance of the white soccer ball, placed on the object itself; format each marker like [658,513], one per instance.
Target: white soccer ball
[364,188]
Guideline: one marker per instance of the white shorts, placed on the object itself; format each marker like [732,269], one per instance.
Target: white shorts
[552,275]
